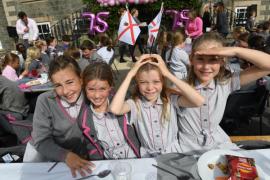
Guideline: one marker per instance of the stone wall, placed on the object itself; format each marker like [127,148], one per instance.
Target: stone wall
[48,10]
[7,43]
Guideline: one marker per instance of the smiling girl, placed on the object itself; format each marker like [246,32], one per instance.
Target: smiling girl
[109,136]
[152,107]
[56,134]
[199,127]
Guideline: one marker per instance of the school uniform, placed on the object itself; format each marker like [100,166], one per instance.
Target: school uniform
[155,137]
[12,98]
[108,136]
[10,73]
[178,63]
[199,127]
[55,130]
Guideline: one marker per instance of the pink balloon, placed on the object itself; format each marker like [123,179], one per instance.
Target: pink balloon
[184,14]
[101,25]
[91,18]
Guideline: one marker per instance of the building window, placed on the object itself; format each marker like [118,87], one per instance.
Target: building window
[44,30]
[241,16]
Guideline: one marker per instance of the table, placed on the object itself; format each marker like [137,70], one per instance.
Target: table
[142,169]
[36,88]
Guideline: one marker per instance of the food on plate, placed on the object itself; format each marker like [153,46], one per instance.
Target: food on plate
[223,167]
[211,166]
[33,82]
[242,168]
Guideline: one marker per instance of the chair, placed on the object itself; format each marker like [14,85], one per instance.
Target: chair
[245,105]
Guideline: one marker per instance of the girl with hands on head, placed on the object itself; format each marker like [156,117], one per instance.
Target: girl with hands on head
[152,108]
[56,135]
[200,130]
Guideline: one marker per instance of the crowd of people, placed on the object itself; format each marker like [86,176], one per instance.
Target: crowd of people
[176,103]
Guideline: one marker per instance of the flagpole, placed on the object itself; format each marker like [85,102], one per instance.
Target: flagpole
[151,48]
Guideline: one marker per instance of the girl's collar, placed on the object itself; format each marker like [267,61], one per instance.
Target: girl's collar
[210,86]
[99,113]
[148,104]
[78,102]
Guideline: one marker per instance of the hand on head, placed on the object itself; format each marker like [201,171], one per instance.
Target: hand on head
[75,163]
[218,51]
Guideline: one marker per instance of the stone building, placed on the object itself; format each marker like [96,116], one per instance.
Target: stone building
[45,12]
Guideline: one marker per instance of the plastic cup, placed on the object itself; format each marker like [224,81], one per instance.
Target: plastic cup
[121,171]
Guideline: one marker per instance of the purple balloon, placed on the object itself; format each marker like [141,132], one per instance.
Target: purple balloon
[101,26]
[92,20]
[175,16]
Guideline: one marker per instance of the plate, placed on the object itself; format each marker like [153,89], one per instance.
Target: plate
[215,156]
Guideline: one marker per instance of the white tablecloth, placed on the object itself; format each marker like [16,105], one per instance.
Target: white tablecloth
[142,169]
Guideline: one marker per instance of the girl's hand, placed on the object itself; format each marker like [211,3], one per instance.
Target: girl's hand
[143,60]
[222,51]
[75,163]
[161,64]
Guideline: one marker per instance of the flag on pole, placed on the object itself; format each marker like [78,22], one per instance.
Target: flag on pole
[153,27]
[128,29]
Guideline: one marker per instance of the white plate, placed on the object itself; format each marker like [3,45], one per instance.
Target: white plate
[215,156]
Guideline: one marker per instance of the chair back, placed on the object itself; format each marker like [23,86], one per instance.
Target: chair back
[247,103]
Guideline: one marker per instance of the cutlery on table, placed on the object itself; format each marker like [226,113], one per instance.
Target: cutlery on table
[101,174]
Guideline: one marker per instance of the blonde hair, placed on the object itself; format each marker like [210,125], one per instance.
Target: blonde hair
[40,43]
[165,116]
[211,37]
[32,53]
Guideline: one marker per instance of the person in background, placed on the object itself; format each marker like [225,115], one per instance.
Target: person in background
[42,46]
[222,25]
[21,52]
[122,45]
[194,26]
[250,24]
[135,13]
[26,27]
[10,65]
[13,100]
[32,64]
[51,50]
[89,54]
[176,57]
[106,51]
[207,22]
[56,135]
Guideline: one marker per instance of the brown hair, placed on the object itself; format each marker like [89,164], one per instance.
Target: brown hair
[106,41]
[98,70]
[163,95]
[61,63]
[211,37]
[9,58]
[73,52]
[178,38]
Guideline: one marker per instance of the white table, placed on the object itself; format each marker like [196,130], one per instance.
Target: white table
[141,169]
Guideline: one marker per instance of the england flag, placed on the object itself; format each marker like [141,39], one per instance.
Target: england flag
[153,27]
[128,29]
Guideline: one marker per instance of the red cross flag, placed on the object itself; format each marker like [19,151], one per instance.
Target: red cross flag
[153,27]
[128,29]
